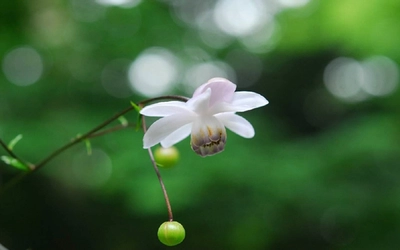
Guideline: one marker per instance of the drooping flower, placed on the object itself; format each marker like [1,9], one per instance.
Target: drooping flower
[212,107]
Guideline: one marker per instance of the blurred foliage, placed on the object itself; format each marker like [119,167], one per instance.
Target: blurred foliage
[321,172]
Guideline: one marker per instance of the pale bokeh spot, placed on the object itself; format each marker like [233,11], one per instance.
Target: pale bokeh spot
[23,66]
[154,72]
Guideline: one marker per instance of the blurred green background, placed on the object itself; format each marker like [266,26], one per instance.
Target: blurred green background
[321,173]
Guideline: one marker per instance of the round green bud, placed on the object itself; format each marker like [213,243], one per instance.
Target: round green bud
[171,233]
[166,157]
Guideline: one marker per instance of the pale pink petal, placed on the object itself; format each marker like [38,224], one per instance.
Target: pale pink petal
[199,104]
[163,127]
[236,124]
[177,136]
[244,100]
[222,107]
[222,90]
[162,109]
[248,100]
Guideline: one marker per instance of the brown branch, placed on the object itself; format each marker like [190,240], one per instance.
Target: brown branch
[81,138]
[92,133]
[164,190]
[11,153]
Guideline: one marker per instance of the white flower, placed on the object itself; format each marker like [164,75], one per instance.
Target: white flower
[204,116]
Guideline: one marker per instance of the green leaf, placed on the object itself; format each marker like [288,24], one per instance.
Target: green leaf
[136,107]
[14,141]
[88,147]
[139,117]
[123,120]
[14,162]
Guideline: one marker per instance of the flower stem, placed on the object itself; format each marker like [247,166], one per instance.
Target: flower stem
[82,137]
[92,133]
[111,130]
[164,190]
[12,154]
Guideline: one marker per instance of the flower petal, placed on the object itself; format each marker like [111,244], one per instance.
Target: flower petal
[177,136]
[236,124]
[199,104]
[164,127]
[162,109]
[246,100]
[242,101]
[222,90]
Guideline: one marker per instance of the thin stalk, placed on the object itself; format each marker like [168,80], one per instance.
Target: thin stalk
[81,138]
[111,130]
[102,125]
[92,133]
[12,154]
[164,190]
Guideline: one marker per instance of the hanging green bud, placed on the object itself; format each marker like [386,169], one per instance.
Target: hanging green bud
[166,157]
[171,233]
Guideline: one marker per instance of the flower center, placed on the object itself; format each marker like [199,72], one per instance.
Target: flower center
[208,136]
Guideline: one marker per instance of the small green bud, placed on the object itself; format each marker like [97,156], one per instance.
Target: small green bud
[171,233]
[166,157]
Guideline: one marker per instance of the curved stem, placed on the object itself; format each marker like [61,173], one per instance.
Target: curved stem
[81,138]
[110,130]
[164,190]
[170,97]
[22,175]
[12,154]
[91,133]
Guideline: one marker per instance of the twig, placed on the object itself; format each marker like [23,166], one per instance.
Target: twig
[92,133]
[12,154]
[164,190]
[81,138]
[110,130]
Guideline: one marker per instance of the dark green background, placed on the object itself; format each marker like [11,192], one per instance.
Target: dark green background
[330,184]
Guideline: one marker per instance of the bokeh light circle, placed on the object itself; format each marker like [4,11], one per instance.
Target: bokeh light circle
[342,77]
[381,76]
[293,3]
[352,80]
[239,17]
[23,66]
[114,80]
[120,3]
[200,73]
[91,171]
[153,72]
